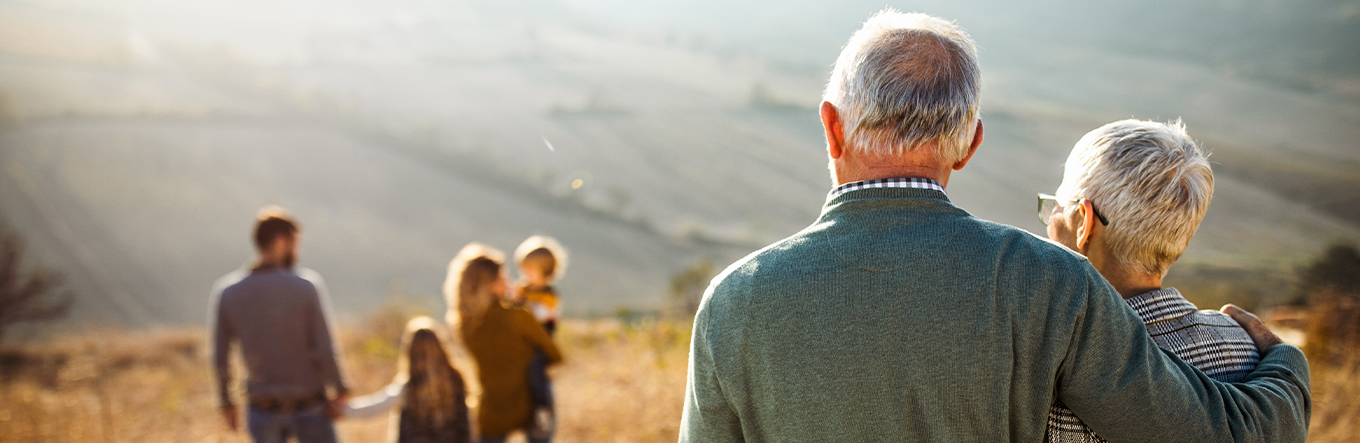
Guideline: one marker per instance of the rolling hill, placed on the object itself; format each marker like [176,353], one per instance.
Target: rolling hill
[139,137]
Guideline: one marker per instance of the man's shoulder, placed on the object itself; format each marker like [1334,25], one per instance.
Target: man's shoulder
[1040,271]
[788,248]
[948,227]
[1015,246]
[296,280]
[1012,249]
[1004,233]
[775,261]
[231,279]
[310,276]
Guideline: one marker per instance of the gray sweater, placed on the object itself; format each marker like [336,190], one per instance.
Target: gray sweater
[278,318]
[900,317]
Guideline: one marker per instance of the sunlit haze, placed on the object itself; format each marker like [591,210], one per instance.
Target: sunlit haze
[138,138]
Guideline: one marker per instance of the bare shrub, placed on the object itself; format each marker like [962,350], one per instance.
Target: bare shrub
[1330,290]
[1333,348]
[27,297]
[687,288]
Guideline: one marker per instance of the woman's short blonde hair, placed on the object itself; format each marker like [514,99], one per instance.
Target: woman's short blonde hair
[1150,180]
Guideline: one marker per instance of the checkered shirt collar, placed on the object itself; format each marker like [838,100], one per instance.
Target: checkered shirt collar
[1162,304]
[903,182]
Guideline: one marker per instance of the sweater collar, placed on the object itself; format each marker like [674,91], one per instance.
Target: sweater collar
[868,194]
[896,182]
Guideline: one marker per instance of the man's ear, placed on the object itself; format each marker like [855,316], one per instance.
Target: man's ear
[831,125]
[1087,225]
[972,148]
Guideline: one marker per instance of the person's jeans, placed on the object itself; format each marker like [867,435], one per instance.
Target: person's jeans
[308,425]
[526,434]
[540,387]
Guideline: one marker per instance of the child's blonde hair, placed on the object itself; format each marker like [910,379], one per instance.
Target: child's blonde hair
[545,253]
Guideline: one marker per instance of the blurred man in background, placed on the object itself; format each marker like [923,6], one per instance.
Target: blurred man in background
[897,316]
[279,318]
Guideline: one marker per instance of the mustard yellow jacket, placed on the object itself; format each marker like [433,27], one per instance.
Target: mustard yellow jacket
[503,345]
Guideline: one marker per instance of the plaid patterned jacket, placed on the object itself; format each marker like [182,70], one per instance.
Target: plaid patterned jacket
[1209,340]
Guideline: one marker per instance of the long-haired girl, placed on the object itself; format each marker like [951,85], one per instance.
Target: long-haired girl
[428,396]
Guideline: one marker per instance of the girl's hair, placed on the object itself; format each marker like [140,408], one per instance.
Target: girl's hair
[434,399]
[469,288]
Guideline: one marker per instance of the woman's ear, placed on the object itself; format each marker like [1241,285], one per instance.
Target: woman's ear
[1087,225]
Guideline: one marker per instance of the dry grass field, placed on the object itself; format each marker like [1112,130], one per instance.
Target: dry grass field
[623,382]
[1336,402]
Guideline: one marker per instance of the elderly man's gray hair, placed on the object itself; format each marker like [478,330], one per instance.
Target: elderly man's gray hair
[904,80]
[1150,180]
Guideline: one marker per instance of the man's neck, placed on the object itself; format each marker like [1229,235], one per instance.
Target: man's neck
[854,166]
[267,264]
[850,173]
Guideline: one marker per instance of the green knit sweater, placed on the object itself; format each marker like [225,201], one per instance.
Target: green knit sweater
[900,317]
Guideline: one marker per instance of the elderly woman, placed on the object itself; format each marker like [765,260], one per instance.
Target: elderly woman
[1132,195]
[502,340]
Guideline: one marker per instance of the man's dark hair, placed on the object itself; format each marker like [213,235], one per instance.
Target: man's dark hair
[271,223]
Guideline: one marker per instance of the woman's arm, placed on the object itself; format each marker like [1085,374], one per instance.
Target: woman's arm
[534,332]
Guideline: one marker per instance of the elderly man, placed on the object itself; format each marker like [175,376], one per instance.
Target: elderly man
[1153,185]
[898,316]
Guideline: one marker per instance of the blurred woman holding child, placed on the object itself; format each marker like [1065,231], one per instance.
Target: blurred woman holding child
[502,340]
